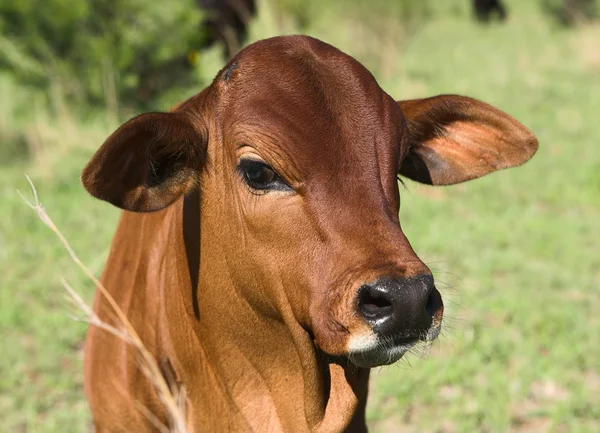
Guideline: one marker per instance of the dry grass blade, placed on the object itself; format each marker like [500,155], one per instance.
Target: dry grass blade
[171,395]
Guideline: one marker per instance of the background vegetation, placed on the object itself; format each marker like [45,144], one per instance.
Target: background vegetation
[517,254]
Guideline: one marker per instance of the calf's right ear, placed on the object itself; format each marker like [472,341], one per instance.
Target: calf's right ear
[148,163]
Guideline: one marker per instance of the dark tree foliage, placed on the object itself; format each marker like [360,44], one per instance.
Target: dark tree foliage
[141,46]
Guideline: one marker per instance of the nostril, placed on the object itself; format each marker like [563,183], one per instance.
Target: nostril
[374,304]
[434,302]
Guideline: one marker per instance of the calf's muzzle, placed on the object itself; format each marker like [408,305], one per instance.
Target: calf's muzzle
[401,309]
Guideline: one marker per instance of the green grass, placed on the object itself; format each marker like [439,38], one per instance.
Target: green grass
[516,254]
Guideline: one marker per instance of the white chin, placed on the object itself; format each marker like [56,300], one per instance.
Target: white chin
[378,357]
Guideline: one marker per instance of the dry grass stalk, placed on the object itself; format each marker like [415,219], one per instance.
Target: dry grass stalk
[171,394]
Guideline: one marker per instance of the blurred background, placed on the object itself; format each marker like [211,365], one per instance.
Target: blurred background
[516,254]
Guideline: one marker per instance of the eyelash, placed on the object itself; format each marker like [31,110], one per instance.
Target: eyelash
[276,184]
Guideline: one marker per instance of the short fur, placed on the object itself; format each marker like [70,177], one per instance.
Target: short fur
[255,307]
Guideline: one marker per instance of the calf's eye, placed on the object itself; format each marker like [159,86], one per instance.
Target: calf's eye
[260,176]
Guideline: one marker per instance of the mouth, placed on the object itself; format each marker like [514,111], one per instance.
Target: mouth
[373,351]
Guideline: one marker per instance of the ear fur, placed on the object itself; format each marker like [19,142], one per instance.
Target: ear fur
[455,138]
[147,163]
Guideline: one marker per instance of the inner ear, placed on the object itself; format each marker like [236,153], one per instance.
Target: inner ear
[148,163]
[455,138]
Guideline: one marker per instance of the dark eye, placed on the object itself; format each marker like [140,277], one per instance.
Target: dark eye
[260,176]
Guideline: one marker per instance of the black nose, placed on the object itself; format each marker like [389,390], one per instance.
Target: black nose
[400,306]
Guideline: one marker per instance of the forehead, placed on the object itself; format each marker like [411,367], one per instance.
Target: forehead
[308,99]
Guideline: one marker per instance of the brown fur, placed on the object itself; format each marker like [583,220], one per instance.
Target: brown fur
[260,341]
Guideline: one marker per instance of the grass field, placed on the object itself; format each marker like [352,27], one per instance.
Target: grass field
[516,254]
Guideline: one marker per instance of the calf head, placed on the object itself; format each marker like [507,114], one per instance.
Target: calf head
[296,150]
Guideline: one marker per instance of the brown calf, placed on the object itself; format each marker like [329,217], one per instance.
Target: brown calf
[261,254]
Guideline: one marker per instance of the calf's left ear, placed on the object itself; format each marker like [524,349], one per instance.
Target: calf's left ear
[148,163]
[456,138]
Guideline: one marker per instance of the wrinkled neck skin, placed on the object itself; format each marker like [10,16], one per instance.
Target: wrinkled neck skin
[244,370]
